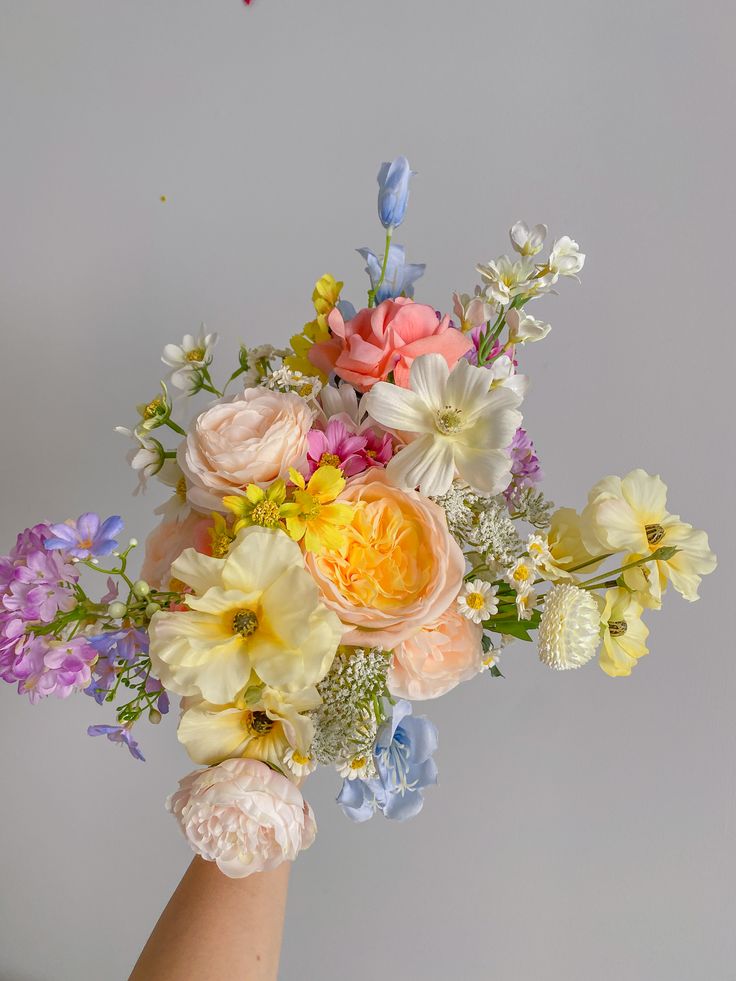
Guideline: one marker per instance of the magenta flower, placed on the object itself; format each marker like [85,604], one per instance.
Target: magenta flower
[525,469]
[337,446]
[378,448]
[86,536]
[118,734]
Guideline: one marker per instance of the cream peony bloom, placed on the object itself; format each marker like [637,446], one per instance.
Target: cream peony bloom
[257,609]
[460,426]
[629,515]
[243,816]
[261,723]
[624,634]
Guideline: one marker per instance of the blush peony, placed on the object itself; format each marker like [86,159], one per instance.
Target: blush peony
[243,816]
[400,571]
[166,543]
[436,658]
[251,439]
[376,342]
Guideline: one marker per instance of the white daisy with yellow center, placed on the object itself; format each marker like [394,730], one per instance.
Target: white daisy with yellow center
[521,575]
[478,600]
[257,609]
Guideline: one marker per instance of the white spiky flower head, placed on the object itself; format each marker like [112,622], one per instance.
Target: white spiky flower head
[569,630]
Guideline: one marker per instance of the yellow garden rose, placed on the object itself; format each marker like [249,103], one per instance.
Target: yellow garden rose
[255,610]
[401,568]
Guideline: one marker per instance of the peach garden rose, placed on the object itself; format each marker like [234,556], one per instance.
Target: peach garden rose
[436,658]
[251,439]
[400,571]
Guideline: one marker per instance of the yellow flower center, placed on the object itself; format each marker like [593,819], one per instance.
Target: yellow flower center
[655,533]
[306,389]
[358,763]
[617,628]
[371,454]
[181,488]
[266,514]
[245,623]
[476,601]
[221,546]
[449,420]
[329,460]
[153,408]
[196,354]
[299,759]
[259,723]
[521,573]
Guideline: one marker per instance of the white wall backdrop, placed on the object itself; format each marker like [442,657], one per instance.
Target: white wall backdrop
[584,827]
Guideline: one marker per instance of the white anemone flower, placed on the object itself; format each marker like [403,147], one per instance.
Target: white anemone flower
[526,240]
[460,426]
[523,328]
[189,357]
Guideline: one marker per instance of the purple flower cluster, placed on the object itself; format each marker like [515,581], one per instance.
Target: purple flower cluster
[36,585]
[525,469]
[120,649]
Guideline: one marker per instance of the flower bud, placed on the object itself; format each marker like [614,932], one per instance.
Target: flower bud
[152,608]
[154,716]
[141,589]
[393,191]
[117,610]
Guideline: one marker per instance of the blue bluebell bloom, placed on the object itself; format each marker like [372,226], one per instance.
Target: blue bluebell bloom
[404,766]
[400,276]
[393,191]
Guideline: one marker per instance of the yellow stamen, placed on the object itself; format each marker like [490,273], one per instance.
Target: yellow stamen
[655,533]
[329,460]
[617,628]
[196,354]
[266,514]
[153,408]
[476,601]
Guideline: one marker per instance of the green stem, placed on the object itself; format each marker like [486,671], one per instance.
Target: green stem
[372,292]
[177,428]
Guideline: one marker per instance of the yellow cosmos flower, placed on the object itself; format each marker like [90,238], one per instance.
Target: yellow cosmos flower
[313,515]
[221,536]
[325,296]
[257,506]
[257,609]
[565,544]
[624,633]
[629,515]
[260,723]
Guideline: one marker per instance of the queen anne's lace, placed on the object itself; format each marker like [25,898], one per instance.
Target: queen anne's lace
[345,724]
[481,524]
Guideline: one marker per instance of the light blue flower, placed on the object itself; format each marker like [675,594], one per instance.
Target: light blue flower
[393,191]
[404,766]
[400,276]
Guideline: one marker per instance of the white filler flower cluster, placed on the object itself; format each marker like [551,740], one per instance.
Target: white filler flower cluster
[482,524]
[345,724]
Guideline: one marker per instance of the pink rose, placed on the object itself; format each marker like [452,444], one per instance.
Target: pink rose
[166,542]
[243,816]
[388,338]
[251,439]
[401,568]
[436,658]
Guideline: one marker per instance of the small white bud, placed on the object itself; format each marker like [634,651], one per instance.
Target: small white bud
[117,610]
[133,542]
[95,561]
[154,716]
[141,589]
[152,608]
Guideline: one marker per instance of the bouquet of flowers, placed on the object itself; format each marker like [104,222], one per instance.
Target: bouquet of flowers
[353,525]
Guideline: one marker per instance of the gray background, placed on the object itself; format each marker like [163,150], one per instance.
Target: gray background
[584,826]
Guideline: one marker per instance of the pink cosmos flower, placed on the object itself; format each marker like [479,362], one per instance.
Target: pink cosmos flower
[340,445]
[377,342]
